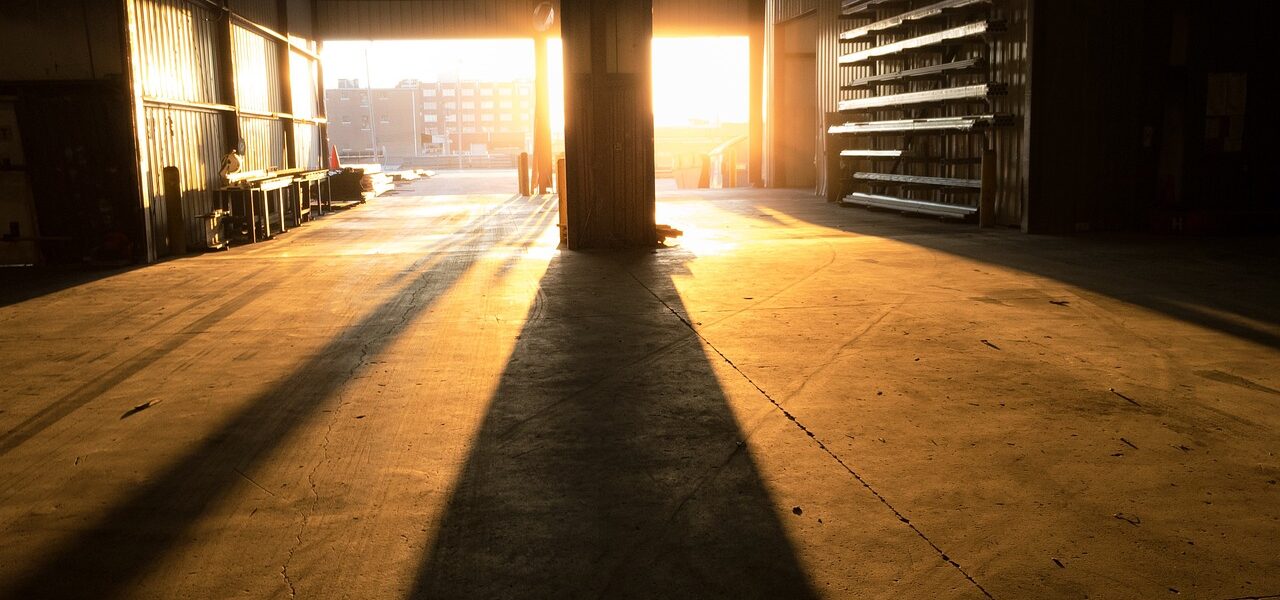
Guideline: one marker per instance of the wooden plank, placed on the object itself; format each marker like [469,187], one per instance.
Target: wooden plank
[920,180]
[967,92]
[924,207]
[933,10]
[955,34]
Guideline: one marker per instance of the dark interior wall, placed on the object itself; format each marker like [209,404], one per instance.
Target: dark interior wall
[79,164]
[60,40]
[63,68]
[1123,135]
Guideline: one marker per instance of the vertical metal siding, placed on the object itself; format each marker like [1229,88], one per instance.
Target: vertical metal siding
[785,10]
[1009,66]
[176,47]
[306,143]
[828,79]
[257,67]
[262,12]
[191,141]
[264,143]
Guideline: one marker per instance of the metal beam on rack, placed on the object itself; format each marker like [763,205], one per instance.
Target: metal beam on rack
[894,178]
[925,207]
[967,92]
[946,36]
[933,10]
[959,67]
[966,123]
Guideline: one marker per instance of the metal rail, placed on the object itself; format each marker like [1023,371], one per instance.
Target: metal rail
[968,92]
[939,209]
[967,123]
[946,36]
[968,65]
[853,7]
[872,153]
[933,10]
[894,178]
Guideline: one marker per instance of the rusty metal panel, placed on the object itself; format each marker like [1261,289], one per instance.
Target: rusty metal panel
[264,143]
[257,68]
[190,140]
[176,47]
[262,12]
[306,143]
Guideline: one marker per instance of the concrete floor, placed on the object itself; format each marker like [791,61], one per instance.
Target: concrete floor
[422,397]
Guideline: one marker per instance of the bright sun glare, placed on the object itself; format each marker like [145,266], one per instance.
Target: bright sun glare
[694,78]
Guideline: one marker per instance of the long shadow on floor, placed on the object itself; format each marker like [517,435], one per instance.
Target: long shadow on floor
[1229,284]
[610,464]
[105,557]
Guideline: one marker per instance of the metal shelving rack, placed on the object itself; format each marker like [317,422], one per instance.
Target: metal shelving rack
[914,135]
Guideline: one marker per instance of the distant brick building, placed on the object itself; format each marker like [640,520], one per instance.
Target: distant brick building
[417,119]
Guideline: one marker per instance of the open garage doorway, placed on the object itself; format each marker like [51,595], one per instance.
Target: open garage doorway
[458,113]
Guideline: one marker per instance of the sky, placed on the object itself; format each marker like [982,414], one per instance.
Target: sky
[702,78]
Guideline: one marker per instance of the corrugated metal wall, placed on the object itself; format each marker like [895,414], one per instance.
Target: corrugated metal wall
[785,10]
[307,145]
[176,47]
[190,140]
[264,143]
[262,12]
[257,67]
[184,114]
[1009,65]
[828,77]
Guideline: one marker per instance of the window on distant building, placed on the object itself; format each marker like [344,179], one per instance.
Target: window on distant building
[346,120]
[486,117]
[486,92]
[468,130]
[468,117]
[468,91]
[447,91]
[505,117]
[364,121]
[429,118]
[451,105]
[506,105]
[524,91]
[429,105]
[384,119]
[451,118]
[504,91]
[468,105]
[487,105]
[430,93]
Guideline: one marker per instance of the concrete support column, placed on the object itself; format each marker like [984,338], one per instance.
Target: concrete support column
[608,123]
[755,118]
[542,159]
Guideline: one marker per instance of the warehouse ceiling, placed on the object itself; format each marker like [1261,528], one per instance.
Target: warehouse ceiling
[423,19]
